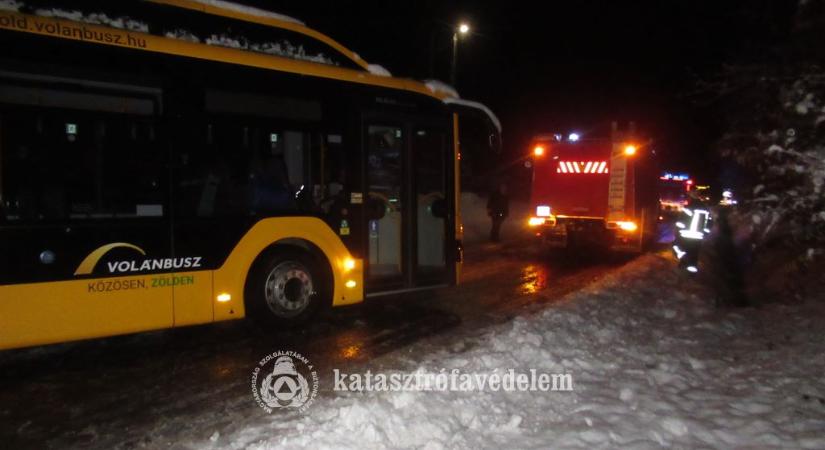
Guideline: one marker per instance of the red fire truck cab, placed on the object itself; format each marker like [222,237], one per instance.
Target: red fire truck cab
[596,191]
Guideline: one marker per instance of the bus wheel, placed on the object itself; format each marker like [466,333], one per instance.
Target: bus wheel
[286,288]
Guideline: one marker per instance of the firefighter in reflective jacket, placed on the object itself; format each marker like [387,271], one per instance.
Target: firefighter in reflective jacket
[691,228]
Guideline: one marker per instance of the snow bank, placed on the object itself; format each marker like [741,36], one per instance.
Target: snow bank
[250,10]
[654,364]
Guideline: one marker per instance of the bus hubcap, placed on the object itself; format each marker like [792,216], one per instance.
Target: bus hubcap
[288,289]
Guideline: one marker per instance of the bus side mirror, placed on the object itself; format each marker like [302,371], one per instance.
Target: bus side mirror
[494,141]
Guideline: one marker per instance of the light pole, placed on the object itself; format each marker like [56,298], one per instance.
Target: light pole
[462,30]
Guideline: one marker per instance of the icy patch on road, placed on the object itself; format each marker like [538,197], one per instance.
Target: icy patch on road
[654,364]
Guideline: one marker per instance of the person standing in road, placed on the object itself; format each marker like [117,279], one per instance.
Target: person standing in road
[692,227]
[498,207]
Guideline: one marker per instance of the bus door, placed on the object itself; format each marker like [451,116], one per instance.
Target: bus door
[431,158]
[385,207]
[406,205]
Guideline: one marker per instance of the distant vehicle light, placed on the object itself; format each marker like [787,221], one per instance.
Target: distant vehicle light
[573,137]
[538,150]
[543,211]
[674,177]
[627,226]
[692,269]
[630,150]
[535,221]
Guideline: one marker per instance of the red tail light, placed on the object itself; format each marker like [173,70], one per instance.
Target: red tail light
[582,167]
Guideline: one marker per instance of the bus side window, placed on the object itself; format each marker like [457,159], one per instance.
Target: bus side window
[231,170]
[65,164]
[335,202]
[133,168]
[271,189]
[34,167]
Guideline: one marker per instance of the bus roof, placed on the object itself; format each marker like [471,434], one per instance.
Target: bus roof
[262,17]
[163,44]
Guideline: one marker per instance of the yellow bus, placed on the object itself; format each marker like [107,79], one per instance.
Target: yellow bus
[177,162]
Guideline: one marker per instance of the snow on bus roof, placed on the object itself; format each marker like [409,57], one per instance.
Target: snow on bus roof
[379,70]
[475,105]
[440,87]
[452,98]
[251,10]
[10,5]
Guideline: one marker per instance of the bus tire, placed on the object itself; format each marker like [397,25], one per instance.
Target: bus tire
[286,287]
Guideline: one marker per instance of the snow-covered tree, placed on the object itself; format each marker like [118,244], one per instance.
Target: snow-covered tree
[773,110]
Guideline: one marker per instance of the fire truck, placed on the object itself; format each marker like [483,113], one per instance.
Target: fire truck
[673,192]
[594,191]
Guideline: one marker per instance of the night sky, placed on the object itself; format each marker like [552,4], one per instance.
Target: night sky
[567,65]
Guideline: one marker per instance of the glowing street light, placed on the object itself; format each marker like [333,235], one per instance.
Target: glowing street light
[463,29]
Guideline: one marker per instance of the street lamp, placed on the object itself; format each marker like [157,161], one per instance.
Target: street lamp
[462,30]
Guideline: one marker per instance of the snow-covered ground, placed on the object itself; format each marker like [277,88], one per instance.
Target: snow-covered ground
[653,363]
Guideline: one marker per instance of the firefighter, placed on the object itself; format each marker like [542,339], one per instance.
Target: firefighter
[498,207]
[691,228]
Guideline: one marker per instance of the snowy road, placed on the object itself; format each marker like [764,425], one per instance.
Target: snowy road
[654,365]
[156,389]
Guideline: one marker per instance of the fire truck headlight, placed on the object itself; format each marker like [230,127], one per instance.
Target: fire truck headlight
[535,221]
[573,137]
[538,150]
[543,211]
[627,226]
[630,150]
